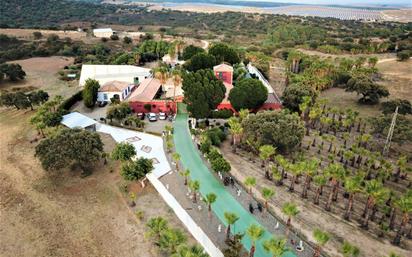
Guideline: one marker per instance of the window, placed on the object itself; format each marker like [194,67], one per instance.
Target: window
[105,97]
[220,75]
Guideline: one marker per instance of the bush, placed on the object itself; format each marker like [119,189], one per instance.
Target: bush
[216,136]
[389,107]
[114,37]
[221,114]
[69,102]
[404,55]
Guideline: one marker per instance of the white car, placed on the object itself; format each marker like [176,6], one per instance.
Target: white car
[152,116]
[162,116]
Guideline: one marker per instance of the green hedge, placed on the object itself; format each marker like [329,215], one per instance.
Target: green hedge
[69,102]
[221,114]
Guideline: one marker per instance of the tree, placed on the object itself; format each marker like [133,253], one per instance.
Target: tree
[170,239]
[349,250]
[203,92]
[224,53]
[194,185]
[293,96]
[118,111]
[21,100]
[176,158]
[310,169]
[37,35]
[123,152]
[189,251]
[255,232]
[372,61]
[248,94]
[177,80]
[185,174]
[136,170]
[275,246]
[209,200]
[321,238]
[352,186]
[402,133]
[281,129]
[371,92]
[404,204]
[250,182]
[336,174]
[290,210]
[13,71]
[190,51]
[320,181]
[91,87]
[162,74]
[127,40]
[405,106]
[220,165]
[376,193]
[156,226]
[200,61]
[235,246]
[267,193]
[235,129]
[403,55]
[230,218]
[69,146]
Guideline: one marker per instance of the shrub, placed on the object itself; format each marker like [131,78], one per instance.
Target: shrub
[69,102]
[114,37]
[221,114]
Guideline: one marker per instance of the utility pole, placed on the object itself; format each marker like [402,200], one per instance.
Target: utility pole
[390,133]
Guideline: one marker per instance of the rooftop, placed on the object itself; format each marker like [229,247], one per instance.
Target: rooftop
[102,30]
[223,67]
[77,120]
[114,86]
[146,91]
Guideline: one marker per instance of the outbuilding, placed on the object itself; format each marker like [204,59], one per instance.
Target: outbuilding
[103,32]
[78,120]
[114,90]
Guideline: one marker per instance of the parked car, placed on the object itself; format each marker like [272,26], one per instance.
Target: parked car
[141,115]
[102,104]
[152,116]
[162,116]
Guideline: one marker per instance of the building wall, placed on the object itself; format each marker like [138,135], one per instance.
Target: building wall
[225,76]
[122,95]
[157,106]
[102,34]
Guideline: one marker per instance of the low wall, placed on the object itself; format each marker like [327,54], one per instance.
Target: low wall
[190,224]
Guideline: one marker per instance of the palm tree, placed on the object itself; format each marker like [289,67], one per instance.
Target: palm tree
[321,238]
[296,170]
[235,129]
[283,163]
[185,174]
[176,158]
[250,182]
[177,80]
[290,210]
[209,200]
[401,162]
[310,169]
[194,185]
[243,113]
[255,232]
[275,246]
[170,239]
[352,186]
[230,218]
[265,153]
[320,181]
[189,251]
[349,250]
[336,173]
[267,193]
[376,193]
[156,226]
[162,74]
[404,204]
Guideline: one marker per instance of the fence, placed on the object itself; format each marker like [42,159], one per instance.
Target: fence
[190,224]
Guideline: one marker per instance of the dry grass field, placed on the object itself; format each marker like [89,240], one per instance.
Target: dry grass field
[65,215]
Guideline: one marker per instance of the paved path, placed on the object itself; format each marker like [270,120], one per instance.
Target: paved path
[208,183]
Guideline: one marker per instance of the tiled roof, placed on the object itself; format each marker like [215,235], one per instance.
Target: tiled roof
[114,86]
[146,91]
[223,67]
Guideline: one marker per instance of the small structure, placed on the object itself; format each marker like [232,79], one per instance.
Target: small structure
[224,72]
[114,89]
[145,98]
[103,32]
[106,73]
[172,61]
[78,120]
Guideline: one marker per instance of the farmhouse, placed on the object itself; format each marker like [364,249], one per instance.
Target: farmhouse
[145,98]
[114,90]
[106,73]
[224,72]
[103,32]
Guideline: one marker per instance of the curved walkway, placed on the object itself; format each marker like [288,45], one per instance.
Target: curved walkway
[208,183]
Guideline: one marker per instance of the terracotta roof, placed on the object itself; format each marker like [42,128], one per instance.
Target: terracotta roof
[146,91]
[114,86]
[223,67]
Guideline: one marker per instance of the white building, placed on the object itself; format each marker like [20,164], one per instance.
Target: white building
[106,73]
[103,32]
[173,61]
[78,120]
[114,89]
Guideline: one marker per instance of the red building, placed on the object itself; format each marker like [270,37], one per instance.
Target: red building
[143,98]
